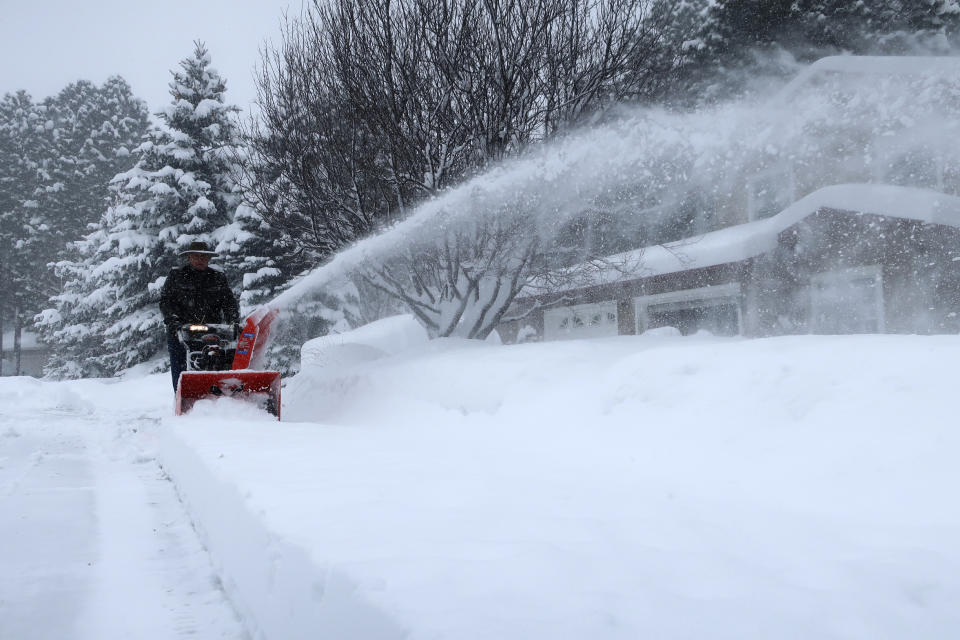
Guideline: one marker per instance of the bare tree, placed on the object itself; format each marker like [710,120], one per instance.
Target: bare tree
[310,167]
[462,285]
[369,107]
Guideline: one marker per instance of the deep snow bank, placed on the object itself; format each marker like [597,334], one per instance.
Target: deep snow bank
[388,336]
[276,587]
[622,488]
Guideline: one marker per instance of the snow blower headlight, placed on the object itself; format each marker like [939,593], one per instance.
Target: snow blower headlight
[199,327]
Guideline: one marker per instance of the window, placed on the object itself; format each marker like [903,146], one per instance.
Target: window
[770,192]
[951,175]
[713,309]
[914,158]
[847,301]
[914,168]
[581,321]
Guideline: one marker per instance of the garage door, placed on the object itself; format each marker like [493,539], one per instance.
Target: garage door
[582,321]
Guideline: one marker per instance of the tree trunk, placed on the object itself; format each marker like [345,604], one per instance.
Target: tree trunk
[17,330]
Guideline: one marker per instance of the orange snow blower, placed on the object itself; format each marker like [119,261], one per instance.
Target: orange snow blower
[221,363]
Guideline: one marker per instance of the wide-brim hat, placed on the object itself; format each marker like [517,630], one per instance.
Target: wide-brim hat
[198,247]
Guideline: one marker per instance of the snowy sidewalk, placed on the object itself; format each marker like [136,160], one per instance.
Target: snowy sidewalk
[48,533]
[95,543]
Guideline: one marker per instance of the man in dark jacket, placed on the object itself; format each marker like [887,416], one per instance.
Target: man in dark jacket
[194,294]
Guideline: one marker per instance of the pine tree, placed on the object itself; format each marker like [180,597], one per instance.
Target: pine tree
[258,254]
[179,191]
[686,30]
[196,153]
[742,38]
[25,159]
[812,28]
[905,25]
[741,24]
[63,200]
[69,146]
[267,264]
[94,131]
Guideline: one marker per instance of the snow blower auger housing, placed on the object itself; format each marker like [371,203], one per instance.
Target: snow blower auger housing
[222,362]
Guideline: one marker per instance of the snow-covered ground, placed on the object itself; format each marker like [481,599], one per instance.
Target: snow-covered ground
[651,486]
[94,543]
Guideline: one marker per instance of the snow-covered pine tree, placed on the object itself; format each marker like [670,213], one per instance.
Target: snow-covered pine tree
[94,130]
[25,158]
[908,26]
[72,113]
[259,254]
[267,264]
[179,191]
[199,147]
[62,200]
[813,28]
[743,39]
[684,28]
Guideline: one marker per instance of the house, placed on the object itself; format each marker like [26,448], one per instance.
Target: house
[872,245]
[33,355]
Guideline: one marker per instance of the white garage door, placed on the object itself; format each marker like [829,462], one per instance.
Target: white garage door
[582,321]
[847,301]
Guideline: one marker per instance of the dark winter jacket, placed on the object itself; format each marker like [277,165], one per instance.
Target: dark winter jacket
[190,295]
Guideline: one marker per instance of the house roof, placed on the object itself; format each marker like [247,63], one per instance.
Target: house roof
[744,241]
[872,65]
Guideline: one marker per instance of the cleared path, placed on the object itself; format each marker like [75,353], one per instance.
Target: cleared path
[94,542]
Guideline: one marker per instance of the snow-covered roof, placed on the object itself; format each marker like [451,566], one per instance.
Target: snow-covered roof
[740,242]
[875,65]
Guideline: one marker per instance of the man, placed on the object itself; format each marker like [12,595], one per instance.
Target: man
[194,294]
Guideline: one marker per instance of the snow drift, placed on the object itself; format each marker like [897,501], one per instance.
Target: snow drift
[641,486]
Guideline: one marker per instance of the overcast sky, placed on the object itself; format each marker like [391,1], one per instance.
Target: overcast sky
[46,44]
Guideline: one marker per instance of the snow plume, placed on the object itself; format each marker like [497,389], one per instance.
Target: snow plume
[655,175]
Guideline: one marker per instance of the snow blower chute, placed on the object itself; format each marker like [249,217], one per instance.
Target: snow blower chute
[221,363]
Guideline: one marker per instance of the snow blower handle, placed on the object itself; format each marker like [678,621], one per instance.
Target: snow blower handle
[189,330]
